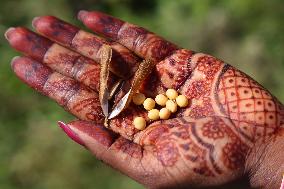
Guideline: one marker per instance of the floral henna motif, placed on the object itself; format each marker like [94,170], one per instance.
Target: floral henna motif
[200,85]
[213,131]
[186,145]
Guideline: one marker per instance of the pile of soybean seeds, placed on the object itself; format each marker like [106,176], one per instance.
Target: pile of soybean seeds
[170,102]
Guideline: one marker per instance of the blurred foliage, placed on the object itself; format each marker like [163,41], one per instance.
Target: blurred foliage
[34,153]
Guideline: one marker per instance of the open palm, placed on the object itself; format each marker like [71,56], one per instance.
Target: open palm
[205,144]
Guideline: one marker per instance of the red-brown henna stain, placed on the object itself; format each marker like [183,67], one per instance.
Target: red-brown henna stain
[214,131]
[235,150]
[152,85]
[167,152]
[169,146]
[165,148]
[234,154]
[55,28]
[61,88]
[28,42]
[55,56]
[253,110]
[61,59]
[98,132]
[88,73]
[200,84]
[141,41]
[105,24]
[124,63]
[123,124]
[175,69]
[153,133]
[88,44]
[76,98]
[128,147]
[207,148]
[145,43]
[31,72]
[90,109]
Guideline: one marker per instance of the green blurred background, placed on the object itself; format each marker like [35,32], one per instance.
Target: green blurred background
[35,154]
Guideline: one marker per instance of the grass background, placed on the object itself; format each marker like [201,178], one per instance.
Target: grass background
[35,154]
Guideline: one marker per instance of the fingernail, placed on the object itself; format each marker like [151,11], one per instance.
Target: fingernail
[74,136]
[34,22]
[14,60]
[8,32]
[82,14]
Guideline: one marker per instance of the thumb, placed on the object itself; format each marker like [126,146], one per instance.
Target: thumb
[118,152]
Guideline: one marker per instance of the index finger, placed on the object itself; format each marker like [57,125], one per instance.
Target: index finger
[144,43]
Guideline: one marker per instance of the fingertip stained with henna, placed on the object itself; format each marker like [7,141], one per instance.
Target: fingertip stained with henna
[57,29]
[28,42]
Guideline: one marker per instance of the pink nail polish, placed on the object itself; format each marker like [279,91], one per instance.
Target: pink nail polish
[70,133]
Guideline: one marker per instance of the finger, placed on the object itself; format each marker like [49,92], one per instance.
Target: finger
[76,98]
[86,43]
[56,57]
[123,155]
[73,96]
[144,43]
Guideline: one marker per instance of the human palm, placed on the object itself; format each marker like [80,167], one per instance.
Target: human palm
[204,144]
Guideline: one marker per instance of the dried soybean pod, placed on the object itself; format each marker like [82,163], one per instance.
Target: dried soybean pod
[114,88]
[143,71]
[105,54]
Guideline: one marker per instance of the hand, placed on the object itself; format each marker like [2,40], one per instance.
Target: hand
[209,143]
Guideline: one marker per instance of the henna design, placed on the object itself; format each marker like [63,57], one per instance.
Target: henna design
[200,84]
[141,41]
[57,29]
[28,42]
[128,147]
[31,72]
[234,154]
[123,123]
[213,131]
[254,111]
[208,140]
[181,142]
[124,62]
[175,69]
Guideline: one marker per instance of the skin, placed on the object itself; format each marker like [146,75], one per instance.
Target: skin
[230,133]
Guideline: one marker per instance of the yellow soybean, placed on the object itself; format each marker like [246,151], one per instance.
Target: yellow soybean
[171,105]
[161,99]
[171,94]
[139,123]
[164,113]
[153,114]
[182,101]
[138,98]
[149,104]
